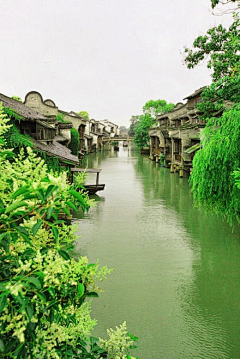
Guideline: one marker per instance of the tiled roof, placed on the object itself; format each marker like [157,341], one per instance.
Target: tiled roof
[24,111]
[197,92]
[57,150]
[46,124]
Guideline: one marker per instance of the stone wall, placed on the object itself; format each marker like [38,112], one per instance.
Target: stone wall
[34,100]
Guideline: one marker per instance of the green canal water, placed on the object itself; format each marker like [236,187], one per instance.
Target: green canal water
[177,269]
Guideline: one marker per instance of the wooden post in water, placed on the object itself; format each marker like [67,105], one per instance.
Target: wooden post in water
[172,168]
[181,171]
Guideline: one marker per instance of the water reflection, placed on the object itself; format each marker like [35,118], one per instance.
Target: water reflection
[176,269]
[211,301]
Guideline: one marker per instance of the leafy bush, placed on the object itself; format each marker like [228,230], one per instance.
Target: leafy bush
[42,289]
[119,343]
[74,144]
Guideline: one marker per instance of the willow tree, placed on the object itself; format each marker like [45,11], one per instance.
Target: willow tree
[212,179]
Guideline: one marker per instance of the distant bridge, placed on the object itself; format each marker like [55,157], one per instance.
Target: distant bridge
[118,139]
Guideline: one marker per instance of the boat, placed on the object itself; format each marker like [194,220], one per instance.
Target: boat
[92,188]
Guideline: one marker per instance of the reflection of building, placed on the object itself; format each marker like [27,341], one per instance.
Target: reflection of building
[177,135]
[46,134]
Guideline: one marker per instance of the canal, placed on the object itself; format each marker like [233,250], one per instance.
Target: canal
[177,269]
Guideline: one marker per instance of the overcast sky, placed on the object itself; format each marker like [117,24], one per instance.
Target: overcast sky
[107,57]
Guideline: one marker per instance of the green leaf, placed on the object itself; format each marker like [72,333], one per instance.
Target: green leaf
[27,239]
[1,346]
[39,273]
[64,254]
[34,281]
[10,345]
[93,340]
[66,210]
[19,299]
[92,294]
[15,205]
[29,196]
[3,301]
[22,230]
[81,289]
[36,226]
[91,265]
[51,291]
[50,190]
[49,212]
[40,195]
[3,235]
[51,315]
[14,236]
[29,253]
[2,286]
[55,232]
[20,191]
[17,214]
[17,351]
[29,311]
[72,205]
[42,297]
[77,195]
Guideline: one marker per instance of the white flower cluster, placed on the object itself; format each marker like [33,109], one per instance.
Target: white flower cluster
[119,343]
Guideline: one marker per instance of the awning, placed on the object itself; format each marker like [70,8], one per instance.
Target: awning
[193,148]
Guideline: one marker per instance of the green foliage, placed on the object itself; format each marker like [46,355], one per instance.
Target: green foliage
[74,143]
[134,120]
[11,114]
[13,138]
[42,289]
[211,180]
[221,46]
[217,97]
[80,178]
[17,98]
[61,118]
[141,135]
[120,343]
[140,124]
[157,107]
[53,163]
[84,114]
[214,3]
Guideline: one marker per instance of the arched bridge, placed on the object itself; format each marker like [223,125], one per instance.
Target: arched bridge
[118,139]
